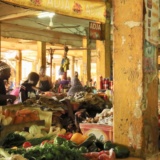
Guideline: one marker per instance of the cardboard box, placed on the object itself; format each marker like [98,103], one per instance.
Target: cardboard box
[101,131]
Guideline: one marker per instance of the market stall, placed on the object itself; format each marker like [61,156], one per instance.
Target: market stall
[80,125]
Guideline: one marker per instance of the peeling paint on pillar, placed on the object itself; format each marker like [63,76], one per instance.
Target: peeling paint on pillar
[132,24]
[135,116]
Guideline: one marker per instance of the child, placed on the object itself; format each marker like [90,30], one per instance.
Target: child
[28,88]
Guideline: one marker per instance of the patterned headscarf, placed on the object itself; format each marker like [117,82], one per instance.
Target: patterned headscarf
[3,66]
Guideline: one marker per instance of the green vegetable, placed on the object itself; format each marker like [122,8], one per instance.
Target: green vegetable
[59,140]
[88,141]
[50,152]
[83,149]
[36,141]
[99,144]
[121,151]
[108,145]
[12,140]
[93,147]
[34,129]
[69,144]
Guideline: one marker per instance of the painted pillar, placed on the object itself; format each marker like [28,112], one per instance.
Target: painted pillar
[103,48]
[34,66]
[86,62]
[41,49]
[72,65]
[53,72]
[135,80]
[19,68]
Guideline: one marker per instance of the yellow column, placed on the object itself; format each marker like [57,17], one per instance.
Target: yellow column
[86,62]
[135,87]
[41,50]
[103,47]
[72,66]
[53,73]
[19,68]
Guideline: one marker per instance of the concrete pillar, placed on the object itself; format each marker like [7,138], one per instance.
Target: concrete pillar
[53,72]
[135,86]
[41,50]
[72,65]
[86,62]
[19,68]
[103,47]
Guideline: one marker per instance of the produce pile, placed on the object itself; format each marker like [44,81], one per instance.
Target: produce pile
[105,117]
[61,145]
[17,116]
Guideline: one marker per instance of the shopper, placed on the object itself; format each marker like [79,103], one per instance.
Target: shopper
[5,73]
[45,82]
[76,86]
[28,89]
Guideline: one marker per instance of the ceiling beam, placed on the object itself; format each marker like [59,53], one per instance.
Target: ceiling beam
[19,15]
[18,46]
[16,31]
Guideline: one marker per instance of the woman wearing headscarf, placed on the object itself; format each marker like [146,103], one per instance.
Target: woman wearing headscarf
[76,86]
[5,73]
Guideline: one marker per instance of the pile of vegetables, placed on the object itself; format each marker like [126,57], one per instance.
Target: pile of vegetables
[58,145]
[35,136]
[12,116]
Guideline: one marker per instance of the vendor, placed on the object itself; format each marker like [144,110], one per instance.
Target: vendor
[5,73]
[76,86]
[45,82]
[28,89]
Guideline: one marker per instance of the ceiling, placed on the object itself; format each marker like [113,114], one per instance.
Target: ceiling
[21,29]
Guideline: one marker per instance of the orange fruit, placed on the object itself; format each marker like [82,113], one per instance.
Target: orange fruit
[78,138]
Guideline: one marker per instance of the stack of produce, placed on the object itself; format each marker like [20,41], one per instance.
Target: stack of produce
[17,116]
[66,146]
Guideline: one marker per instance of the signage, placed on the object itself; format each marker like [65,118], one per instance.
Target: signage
[86,9]
[95,31]
[152,21]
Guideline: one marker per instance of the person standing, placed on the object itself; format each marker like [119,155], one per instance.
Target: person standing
[5,73]
[28,89]
[45,82]
[76,86]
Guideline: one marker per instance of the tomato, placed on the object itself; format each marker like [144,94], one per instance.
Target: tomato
[68,135]
[47,141]
[44,142]
[26,144]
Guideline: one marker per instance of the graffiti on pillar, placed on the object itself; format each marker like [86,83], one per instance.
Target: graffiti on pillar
[152,21]
[149,57]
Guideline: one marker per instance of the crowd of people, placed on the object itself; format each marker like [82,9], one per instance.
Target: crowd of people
[35,84]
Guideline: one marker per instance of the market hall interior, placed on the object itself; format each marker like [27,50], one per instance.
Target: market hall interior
[129,52]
